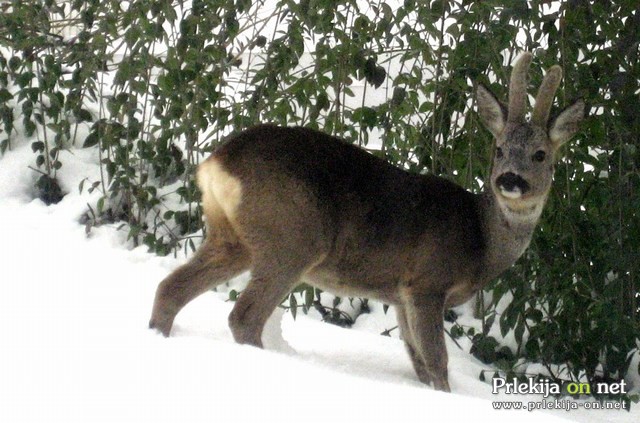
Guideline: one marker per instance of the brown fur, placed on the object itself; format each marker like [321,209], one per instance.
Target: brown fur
[293,204]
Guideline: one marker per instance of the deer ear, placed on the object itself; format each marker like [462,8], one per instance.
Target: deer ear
[563,127]
[492,113]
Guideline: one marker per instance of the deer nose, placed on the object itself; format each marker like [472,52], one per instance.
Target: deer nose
[512,185]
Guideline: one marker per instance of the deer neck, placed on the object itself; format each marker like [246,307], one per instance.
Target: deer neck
[507,231]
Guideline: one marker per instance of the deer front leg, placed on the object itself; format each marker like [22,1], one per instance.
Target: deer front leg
[420,318]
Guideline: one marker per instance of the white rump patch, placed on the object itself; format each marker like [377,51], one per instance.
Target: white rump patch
[220,190]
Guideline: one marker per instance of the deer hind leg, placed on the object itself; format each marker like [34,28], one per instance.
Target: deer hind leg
[221,257]
[416,358]
[421,322]
[274,275]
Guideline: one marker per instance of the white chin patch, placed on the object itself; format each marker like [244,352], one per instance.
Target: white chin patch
[511,194]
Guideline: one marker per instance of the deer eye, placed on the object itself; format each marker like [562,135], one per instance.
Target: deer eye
[539,156]
[499,153]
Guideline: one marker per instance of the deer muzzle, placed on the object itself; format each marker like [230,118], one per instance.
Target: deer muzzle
[512,185]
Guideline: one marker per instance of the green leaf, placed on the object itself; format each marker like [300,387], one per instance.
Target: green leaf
[293,305]
[100,205]
[379,75]
[83,115]
[308,296]
[5,95]
[91,140]
[374,74]
[534,314]
[505,325]
[37,146]
[14,63]
[233,295]
[29,127]
[519,331]
[532,349]
[399,95]
[93,186]
[260,41]
[323,101]
[367,116]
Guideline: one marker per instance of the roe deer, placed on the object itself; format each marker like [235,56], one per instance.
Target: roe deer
[294,204]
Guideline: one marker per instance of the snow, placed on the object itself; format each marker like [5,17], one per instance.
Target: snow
[76,348]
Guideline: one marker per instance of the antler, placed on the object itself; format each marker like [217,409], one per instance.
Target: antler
[518,88]
[544,99]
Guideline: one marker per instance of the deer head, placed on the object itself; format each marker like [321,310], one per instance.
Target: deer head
[523,163]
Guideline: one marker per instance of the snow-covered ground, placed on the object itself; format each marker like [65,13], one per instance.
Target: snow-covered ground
[75,345]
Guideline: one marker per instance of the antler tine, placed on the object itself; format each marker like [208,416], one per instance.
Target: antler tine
[546,92]
[518,88]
